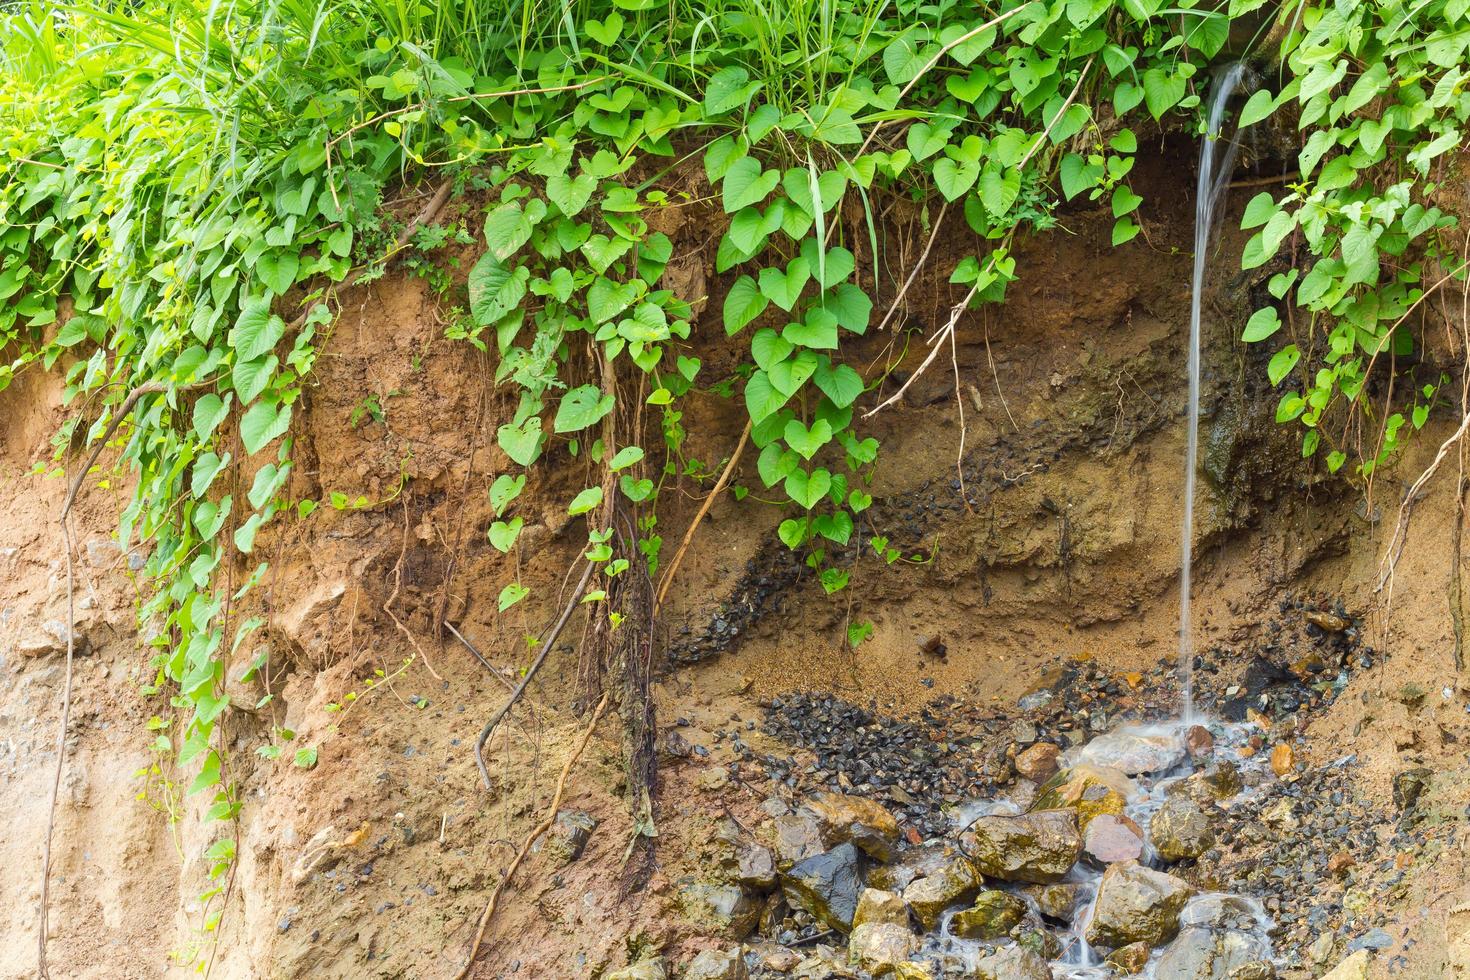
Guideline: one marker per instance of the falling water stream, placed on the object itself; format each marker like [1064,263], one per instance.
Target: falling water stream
[1211,918]
[1215,159]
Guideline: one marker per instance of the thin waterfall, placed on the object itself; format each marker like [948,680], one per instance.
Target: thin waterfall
[1216,157]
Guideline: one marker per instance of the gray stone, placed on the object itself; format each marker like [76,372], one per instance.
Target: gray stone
[1037,848]
[1200,953]
[827,885]
[1015,962]
[1132,752]
[798,837]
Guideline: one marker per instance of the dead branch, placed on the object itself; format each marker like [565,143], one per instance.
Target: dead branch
[936,343]
[495,719]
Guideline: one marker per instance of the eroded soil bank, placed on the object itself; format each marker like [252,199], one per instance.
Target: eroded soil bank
[1034,606]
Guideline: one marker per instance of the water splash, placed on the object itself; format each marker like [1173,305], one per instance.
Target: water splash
[1216,157]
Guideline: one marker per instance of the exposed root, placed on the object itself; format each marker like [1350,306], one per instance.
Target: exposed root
[520,689]
[41,967]
[541,828]
[397,586]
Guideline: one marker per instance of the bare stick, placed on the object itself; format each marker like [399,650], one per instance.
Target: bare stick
[60,746]
[566,614]
[914,272]
[541,828]
[668,578]
[494,671]
[1056,118]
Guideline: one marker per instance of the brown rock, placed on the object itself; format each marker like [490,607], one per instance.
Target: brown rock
[1199,743]
[1088,791]
[1328,622]
[1340,862]
[857,820]
[1039,762]
[1057,902]
[878,947]
[1283,759]
[1111,838]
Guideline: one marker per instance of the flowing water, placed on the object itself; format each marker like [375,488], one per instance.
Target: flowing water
[1217,929]
[1216,156]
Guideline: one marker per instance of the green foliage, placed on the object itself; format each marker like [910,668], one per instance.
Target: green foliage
[191,183]
[1379,89]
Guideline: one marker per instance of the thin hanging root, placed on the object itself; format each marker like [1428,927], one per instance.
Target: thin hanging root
[668,579]
[936,344]
[397,585]
[541,828]
[489,729]
[60,740]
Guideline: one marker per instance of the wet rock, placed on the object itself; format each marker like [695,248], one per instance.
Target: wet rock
[1130,959]
[1040,941]
[1132,753]
[1136,904]
[726,909]
[877,905]
[1088,791]
[1254,970]
[717,964]
[650,969]
[827,885]
[1355,967]
[1109,839]
[568,836]
[1056,902]
[1180,830]
[1039,762]
[878,947]
[913,971]
[1218,781]
[860,821]
[1199,744]
[798,837]
[1015,962]
[915,862]
[993,915]
[954,883]
[1037,847]
[1201,953]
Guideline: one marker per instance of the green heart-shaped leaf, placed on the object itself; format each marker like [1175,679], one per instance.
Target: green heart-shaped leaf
[503,534]
[808,489]
[807,441]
